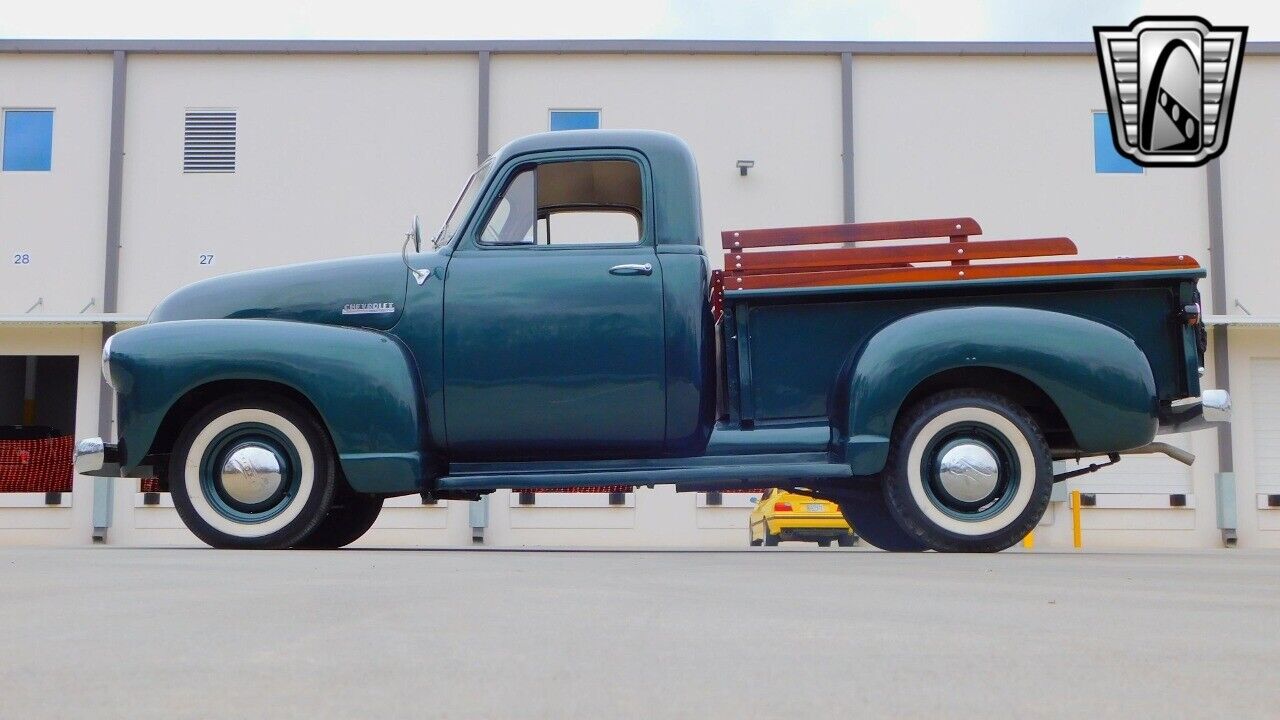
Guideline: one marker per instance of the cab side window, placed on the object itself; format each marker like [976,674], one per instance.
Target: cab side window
[583,202]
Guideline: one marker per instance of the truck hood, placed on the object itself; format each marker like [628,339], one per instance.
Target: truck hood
[364,292]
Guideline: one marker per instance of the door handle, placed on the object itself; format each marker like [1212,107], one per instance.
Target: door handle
[632,269]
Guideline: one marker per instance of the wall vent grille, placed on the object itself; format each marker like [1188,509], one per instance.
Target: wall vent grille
[209,142]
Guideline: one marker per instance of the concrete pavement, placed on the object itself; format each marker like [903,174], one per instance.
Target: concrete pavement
[110,632]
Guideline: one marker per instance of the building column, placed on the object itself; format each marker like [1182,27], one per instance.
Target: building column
[846,129]
[1225,478]
[104,488]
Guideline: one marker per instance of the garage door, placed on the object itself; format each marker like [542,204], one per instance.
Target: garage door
[1264,378]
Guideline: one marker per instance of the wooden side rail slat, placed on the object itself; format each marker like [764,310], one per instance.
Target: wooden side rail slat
[850,232]
[970,272]
[777,261]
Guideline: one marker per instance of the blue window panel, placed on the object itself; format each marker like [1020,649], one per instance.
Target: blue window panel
[575,119]
[28,140]
[1106,159]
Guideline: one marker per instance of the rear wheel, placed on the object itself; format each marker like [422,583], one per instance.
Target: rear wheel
[350,517]
[969,471]
[847,540]
[252,472]
[770,540]
[865,509]
[824,543]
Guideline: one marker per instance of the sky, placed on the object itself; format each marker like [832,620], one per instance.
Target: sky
[602,19]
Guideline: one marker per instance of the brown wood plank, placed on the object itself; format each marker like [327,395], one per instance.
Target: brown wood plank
[776,261]
[971,272]
[850,232]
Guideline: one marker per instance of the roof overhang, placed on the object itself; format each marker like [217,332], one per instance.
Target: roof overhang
[1243,320]
[737,47]
[82,320]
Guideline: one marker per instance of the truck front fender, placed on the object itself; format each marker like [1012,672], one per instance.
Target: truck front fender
[362,384]
[1097,376]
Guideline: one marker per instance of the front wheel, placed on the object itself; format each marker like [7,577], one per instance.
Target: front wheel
[252,472]
[969,471]
[348,520]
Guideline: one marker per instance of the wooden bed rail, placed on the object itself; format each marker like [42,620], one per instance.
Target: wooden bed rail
[759,263]
[747,267]
[870,276]
[957,229]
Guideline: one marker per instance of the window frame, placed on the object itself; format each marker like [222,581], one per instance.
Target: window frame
[552,111]
[500,180]
[4,122]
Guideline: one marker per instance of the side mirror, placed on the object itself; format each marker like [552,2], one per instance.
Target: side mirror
[416,233]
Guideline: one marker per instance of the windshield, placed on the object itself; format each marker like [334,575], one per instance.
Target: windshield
[463,204]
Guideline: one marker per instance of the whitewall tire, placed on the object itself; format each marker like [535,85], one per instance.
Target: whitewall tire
[255,473]
[969,471]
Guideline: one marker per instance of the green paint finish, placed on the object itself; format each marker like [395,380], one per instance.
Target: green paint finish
[673,184]
[548,354]
[314,292]
[520,356]
[361,383]
[798,345]
[690,352]
[1096,375]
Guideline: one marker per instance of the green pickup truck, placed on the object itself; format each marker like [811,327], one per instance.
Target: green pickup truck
[565,328]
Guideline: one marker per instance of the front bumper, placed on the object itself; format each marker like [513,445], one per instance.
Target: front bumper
[98,458]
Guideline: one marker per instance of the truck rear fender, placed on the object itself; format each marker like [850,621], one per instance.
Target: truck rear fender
[362,384]
[1098,380]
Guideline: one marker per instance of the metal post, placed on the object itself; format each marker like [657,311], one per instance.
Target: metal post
[1221,348]
[478,510]
[104,488]
[1224,486]
[1075,519]
[482,108]
[478,515]
[846,132]
[29,391]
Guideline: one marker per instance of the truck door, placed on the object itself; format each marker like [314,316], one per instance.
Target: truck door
[553,330]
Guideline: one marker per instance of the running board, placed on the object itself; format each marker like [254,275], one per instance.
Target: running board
[725,471]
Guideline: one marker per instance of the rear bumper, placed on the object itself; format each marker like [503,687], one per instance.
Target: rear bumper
[829,526]
[95,457]
[1211,408]
[809,534]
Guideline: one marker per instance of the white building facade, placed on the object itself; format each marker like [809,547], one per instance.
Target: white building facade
[107,205]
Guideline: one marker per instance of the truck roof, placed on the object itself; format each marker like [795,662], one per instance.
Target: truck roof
[674,174]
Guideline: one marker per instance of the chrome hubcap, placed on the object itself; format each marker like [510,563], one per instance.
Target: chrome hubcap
[969,472]
[251,474]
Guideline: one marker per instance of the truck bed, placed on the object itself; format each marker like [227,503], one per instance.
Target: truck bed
[792,315]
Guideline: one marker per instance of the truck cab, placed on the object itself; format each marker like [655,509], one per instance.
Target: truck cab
[565,327]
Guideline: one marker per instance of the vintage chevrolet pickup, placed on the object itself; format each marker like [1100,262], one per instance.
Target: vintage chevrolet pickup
[566,328]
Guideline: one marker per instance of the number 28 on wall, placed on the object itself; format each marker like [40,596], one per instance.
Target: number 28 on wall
[22,258]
